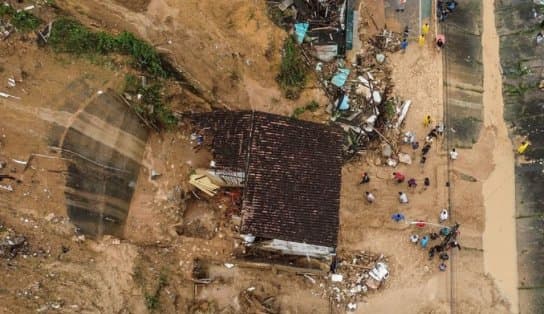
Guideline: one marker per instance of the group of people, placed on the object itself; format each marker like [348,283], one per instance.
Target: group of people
[443,8]
[448,237]
[399,178]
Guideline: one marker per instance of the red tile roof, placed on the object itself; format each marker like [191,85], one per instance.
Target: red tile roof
[293,173]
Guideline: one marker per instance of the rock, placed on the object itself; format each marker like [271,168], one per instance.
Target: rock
[50,217]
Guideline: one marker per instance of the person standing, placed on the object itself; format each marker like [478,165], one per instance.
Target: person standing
[404,45]
[427,121]
[370,197]
[425,29]
[440,41]
[399,177]
[402,5]
[423,242]
[403,198]
[443,215]
[453,154]
[421,40]
[426,183]
[412,183]
[365,179]
[523,147]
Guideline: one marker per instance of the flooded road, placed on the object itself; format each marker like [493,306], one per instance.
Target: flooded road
[499,240]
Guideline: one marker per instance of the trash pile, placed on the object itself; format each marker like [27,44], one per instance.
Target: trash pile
[360,94]
[256,300]
[12,244]
[6,28]
[354,275]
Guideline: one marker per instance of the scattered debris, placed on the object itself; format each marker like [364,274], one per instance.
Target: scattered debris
[229,265]
[9,96]
[204,184]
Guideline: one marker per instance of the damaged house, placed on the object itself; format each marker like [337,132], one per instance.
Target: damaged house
[290,172]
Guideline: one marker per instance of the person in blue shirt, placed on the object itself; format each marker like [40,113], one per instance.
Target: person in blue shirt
[423,242]
[404,45]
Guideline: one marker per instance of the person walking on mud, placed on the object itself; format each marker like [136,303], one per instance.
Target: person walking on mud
[370,197]
[421,40]
[402,5]
[365,178]
[399,177]
[425,29]
[404,45]
[427,121]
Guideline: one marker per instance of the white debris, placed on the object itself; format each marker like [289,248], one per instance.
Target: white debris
[229,265]
[376,97]
[6,187]
[337,277]
[251,289]
[352,306]
[405,158]
[19,162]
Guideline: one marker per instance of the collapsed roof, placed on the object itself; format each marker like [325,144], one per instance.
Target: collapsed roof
[293,173]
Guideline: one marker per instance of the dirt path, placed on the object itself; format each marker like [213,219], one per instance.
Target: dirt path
[499,192]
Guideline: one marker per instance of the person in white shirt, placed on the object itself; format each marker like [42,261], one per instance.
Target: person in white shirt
[453,154]
[403,198]
[443,215]
[370,197]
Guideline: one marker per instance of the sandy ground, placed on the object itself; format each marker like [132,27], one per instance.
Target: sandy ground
[499,191]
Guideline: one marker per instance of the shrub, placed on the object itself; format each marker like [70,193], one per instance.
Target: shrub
[292,76]
[71,36]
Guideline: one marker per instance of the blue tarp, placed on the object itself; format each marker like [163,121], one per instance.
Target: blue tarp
[300,31]
[344,104]
[339,79]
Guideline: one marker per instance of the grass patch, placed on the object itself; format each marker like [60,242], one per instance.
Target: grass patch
[152,300]
[390,110]
[293,71]
[516,90]
[70,36]
[23,21]
[311,106]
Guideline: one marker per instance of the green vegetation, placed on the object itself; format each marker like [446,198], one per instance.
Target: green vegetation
[293,71]
[151,105]
[516,90]
[152,300]
[72,37]
[311,106]
[390,109]
[23,21]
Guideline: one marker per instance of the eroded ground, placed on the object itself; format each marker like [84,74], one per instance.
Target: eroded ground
[233,50]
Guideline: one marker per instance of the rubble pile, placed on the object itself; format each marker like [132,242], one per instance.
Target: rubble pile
[255,300]
[355,275]
[360,93]
[12,244]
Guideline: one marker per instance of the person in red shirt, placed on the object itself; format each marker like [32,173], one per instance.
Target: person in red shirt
[399,177]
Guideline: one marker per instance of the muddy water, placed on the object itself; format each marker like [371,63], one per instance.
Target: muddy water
[499,189]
